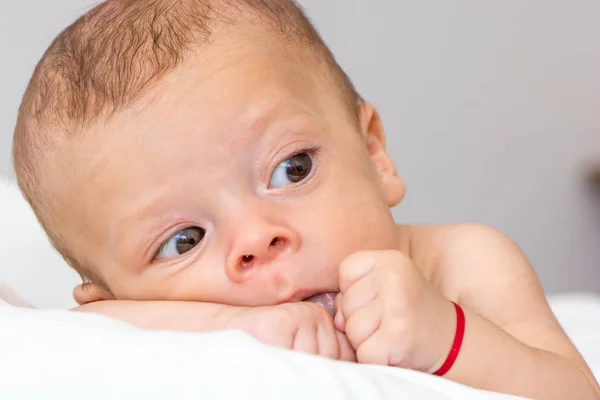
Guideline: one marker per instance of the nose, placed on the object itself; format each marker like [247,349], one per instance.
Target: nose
[258,245]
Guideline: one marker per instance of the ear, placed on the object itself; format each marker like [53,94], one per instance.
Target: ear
[90,293]
[372,130]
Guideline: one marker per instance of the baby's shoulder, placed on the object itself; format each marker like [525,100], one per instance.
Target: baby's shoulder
[450,237]
[446,253]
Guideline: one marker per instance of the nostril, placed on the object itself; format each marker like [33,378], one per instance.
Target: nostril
[275,242]
[246,260]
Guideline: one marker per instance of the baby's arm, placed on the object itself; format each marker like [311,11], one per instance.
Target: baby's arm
[302,326]
[155,315]
[513,343]
[164,315]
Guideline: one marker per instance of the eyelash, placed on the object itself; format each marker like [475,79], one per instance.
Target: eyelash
[313,152]
[166,241]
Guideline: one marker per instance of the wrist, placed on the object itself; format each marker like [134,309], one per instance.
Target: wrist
[443,336]
[444,365]
[233,318]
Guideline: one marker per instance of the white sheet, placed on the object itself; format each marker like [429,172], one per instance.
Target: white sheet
[62,355]
[29,264]
[58,354]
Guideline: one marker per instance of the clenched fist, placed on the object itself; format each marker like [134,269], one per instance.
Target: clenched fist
[391,314]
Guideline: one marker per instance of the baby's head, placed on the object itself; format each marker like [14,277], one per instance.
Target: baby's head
[203,150]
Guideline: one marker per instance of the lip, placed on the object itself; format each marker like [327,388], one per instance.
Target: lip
[323,298]
[301,295]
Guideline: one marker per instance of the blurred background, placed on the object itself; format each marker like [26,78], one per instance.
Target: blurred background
[492,109]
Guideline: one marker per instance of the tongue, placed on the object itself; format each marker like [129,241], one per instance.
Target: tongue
[324,300]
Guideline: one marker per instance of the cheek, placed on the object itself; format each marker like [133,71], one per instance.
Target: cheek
[187,280]
[348,217]
[203,280]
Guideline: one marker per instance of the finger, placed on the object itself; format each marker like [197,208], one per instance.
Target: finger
[373,351]
[340,322]
[364,323]
[338,319]
[355,267]
[327,343]
[360,294]
[337,302]
[90,293]
[305,340]
[347,352]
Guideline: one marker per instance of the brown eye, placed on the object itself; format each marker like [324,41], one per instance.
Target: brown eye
[298,167]
[292,170]
[184,241]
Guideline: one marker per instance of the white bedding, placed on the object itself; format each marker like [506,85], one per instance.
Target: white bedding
[53,354]
[63,355]
[28,262]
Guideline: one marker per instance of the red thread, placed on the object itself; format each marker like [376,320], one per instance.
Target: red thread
[457,344]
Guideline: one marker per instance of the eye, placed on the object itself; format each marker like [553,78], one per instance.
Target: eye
[293,170]
[182,242]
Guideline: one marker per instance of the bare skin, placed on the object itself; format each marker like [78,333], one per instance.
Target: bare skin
[201,160]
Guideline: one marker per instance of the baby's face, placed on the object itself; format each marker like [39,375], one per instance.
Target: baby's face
[242,181]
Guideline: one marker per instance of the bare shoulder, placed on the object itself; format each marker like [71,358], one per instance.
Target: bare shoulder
[479,266]
[452,235]
[485,271]
[449,249]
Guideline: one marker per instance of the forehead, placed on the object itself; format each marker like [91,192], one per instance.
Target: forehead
[231,82]
[233,86]
[225,99]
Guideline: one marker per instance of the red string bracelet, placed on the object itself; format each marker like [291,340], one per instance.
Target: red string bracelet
[456,345]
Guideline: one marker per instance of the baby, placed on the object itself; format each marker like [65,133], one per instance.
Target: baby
[207,165]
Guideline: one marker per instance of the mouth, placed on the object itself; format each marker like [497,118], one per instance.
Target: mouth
[325,300]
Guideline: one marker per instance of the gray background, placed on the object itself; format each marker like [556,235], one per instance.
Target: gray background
[492,109]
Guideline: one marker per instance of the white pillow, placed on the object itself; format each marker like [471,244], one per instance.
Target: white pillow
[29,264]
[66,355]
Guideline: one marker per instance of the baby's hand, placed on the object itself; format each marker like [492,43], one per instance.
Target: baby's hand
[301,326]
[390,312]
